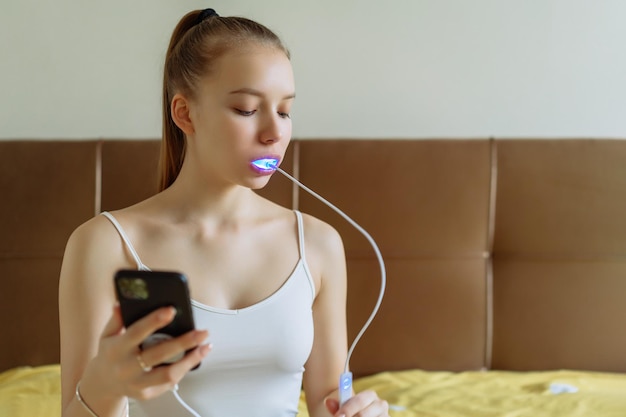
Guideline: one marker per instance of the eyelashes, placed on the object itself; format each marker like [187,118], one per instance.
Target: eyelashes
[245,112]
[248,113]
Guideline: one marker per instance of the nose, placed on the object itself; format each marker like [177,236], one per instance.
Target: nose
[272,129]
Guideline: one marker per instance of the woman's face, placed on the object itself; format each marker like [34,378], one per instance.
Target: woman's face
[240,113]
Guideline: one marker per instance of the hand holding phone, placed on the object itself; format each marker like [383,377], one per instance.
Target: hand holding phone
[141,292]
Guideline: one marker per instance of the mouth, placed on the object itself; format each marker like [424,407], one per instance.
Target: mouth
[265,165]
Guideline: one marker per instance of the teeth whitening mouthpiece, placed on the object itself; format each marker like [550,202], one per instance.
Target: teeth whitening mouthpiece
[267,164]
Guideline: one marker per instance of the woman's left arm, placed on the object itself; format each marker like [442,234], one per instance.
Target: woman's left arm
[326,258]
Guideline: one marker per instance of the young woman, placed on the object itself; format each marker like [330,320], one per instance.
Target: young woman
[268,284]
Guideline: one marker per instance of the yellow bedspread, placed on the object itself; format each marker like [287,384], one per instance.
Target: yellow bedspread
[501,394]
[31,392]
[35,392]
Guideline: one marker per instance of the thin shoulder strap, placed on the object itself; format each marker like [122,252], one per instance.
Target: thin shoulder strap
[125,238]
[300,233]
[301,248]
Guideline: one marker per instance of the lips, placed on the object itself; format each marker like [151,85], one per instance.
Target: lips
[265,165]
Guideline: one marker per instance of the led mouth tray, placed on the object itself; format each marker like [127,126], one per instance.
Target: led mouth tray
[268,164]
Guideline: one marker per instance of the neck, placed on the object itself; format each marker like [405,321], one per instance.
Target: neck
[194,198]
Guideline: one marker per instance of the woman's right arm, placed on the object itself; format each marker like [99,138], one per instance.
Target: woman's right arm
[95,348]
[86,301]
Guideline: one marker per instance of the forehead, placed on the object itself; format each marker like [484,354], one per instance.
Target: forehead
[265,69]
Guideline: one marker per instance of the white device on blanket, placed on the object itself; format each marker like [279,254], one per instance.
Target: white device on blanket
[345,380]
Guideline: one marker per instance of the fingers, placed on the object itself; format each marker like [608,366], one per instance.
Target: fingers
[137,370]
[364,404]
[164,378]
[117,348]
[152,380]
[165,351]
[144,327]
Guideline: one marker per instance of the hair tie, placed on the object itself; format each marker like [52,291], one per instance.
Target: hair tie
[205,14]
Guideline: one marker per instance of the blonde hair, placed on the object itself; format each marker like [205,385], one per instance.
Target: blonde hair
[198,41]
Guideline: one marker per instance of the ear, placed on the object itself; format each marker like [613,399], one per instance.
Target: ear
[180,111]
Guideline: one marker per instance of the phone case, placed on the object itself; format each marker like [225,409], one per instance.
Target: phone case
[141,292]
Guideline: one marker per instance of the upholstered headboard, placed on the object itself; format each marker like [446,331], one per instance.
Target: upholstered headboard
[500,254]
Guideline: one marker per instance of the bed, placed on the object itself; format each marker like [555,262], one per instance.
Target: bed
[505,258]
[35,392]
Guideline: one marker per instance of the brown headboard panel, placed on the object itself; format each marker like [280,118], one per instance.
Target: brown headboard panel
[426,203]
[503,254]
[47,189]
[560,255]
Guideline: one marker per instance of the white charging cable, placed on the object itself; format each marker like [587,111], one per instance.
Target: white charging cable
[183,403]
[345,380]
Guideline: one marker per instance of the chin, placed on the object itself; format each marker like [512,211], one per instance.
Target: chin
[257,183]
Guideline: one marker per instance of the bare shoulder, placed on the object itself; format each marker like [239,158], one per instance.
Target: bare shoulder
[96,234]
[321,235]
[93,249]
[324,251]
[94,228]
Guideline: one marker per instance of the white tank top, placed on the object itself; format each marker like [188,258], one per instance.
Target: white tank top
[255,367]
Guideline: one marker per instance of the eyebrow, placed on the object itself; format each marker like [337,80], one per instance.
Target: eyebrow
[253,92]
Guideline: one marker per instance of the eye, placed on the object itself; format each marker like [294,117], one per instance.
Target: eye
[284,115]
[245,112]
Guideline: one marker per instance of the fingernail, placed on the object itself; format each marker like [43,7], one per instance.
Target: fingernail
[167,313]
[205,349]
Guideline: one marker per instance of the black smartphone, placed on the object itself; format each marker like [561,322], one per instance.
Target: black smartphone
[141,292]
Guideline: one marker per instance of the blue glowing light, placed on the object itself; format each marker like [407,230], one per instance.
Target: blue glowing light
[266,163]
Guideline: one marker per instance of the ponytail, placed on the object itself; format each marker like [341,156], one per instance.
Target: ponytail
[173,141]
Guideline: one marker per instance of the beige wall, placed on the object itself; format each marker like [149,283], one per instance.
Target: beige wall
[401,68]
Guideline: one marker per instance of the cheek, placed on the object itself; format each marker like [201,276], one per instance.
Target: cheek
[235,127]
[287,130]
